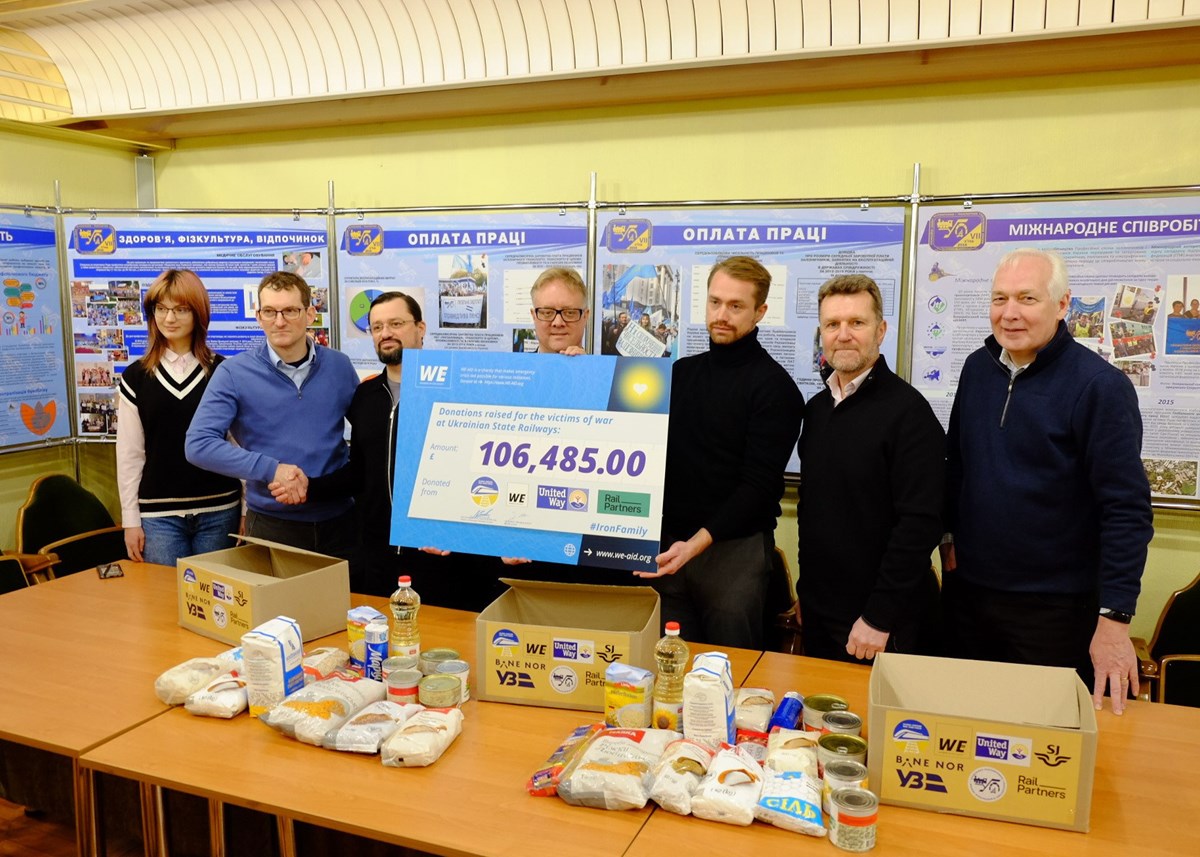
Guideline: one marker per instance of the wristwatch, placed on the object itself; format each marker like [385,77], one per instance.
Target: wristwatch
[1116,615]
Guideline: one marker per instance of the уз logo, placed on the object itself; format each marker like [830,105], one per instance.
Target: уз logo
[484,491]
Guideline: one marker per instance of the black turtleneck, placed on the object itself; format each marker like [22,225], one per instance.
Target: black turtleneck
[735,417]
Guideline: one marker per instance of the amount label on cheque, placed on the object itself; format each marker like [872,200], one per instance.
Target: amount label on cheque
[480,464]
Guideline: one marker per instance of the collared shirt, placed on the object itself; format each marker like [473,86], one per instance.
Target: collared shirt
[841,393]
[1013,369]
[298,372]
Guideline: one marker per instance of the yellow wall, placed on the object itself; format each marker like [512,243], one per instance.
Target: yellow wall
[90,174]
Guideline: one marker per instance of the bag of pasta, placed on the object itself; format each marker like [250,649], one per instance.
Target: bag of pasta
[615,769]
[311,712]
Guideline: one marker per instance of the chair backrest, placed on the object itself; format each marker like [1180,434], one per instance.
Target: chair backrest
[58,507]
[12,575]
[1179,682]
[1178,631]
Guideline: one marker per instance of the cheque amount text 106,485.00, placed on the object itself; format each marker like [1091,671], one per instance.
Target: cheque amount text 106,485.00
[565,459]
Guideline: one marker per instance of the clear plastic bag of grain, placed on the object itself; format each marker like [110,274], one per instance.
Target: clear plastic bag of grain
[311,712]
[175,685]
[224,696]
[423,738]
[367,730]
[678,775]
[730,790]
[752,710]
[792,750]
[615,769]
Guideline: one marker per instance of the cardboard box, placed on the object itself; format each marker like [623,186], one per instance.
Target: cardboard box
[549,644]
[1004,741]
[223,594]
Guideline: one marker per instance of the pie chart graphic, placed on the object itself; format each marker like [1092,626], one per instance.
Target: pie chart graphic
[360,306]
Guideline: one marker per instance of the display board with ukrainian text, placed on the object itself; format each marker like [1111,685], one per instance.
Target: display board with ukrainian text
[1134,270]
[470,274]
[112,261]
[33,376]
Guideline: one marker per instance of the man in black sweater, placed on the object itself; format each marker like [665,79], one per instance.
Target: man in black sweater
[872,469]
[735,415]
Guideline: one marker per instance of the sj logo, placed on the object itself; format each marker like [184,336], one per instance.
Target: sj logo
[1052,756]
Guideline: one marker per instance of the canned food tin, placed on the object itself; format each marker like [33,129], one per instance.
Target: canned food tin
[840,774]
[375,637]
[833,746]
[842,722]
[440,691]
[402,685]
[852,822]
[462,669]
[430,658]
[399,662]
[817,705]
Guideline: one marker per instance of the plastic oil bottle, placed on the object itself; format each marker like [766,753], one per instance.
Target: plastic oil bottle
[673,656]
[405,602]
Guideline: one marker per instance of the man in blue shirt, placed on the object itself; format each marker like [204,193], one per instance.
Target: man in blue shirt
[283,403]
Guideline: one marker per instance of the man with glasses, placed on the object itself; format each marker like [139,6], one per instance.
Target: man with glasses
[283,404]
[559,311]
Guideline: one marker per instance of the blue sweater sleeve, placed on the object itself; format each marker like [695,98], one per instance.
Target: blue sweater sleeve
[1108,423]
[207,444]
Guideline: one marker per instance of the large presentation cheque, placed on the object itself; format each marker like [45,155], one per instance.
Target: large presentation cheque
[537,456]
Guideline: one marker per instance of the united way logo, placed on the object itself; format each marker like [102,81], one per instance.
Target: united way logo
[578,500]
[363,239]
[937,304]
[95,239]
[484,492]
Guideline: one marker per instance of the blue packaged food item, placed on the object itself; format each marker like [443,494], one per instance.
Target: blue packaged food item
[787,715]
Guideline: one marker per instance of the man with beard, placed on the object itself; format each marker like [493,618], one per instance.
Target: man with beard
[735,416]
[394,320]
[872,476]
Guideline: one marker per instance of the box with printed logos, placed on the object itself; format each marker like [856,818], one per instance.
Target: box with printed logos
[1003,741]
[549,644]
[223,594]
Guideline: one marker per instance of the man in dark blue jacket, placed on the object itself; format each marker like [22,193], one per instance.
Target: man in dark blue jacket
[1048,506]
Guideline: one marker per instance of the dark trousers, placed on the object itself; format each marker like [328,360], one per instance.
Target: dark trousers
[333,537]
[1050,630]
[718,597]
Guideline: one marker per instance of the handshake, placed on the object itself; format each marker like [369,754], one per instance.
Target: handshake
[290,485]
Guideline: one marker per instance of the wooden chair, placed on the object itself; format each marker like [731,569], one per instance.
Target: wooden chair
[1175,645]
[781,623]
[12,574]
[67,527]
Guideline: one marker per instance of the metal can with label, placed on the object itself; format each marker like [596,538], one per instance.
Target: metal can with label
[852,822]
[841,774]
[402,685]
[375,637]
[440,691]
[399,662]
[817,705]
[462,669]
[430,658]
[842,722]
[832,746]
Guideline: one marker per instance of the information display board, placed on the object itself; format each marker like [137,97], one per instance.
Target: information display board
[470,273]
[33,374]
[1134,267]
[112,262]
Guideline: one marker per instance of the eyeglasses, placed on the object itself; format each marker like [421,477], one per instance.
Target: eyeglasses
[395,325]
[291,313]
[569,314]
[161,311]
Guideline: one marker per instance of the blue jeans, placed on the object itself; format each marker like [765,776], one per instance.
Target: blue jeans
[169,538]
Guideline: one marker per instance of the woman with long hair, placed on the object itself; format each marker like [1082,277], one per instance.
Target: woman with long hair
[170,508]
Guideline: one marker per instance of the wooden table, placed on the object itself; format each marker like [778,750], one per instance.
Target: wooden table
[1144,800]
[81,656]
[472,801]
